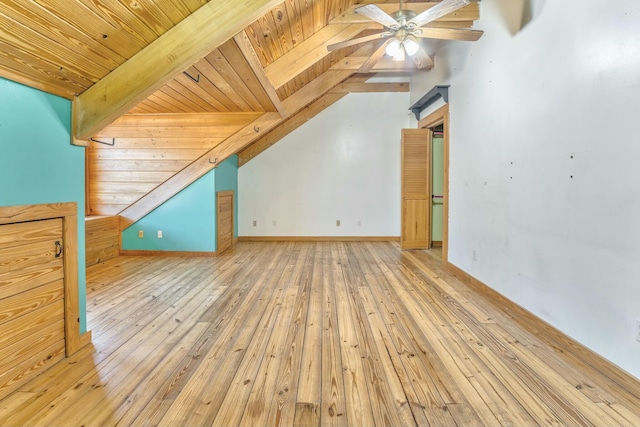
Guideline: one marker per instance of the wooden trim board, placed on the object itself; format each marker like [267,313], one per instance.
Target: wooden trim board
[319,238]
[539,327]
[166,253]
[85,339]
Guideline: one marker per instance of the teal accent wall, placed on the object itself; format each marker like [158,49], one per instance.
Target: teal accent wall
[187,220]
[38,164]
[227,179]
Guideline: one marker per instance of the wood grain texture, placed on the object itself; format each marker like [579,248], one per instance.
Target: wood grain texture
[245,46]
[415,173]
[196,169]
[48,271]
[287,126]
[471,12]
[102,239]
[316,333]
[170,54]
[32,322]
[319,239]
[308,53]
[230,146]
[66,51]
[147,150]
[224,220]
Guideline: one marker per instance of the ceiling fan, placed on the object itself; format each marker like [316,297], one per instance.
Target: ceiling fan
[404,28]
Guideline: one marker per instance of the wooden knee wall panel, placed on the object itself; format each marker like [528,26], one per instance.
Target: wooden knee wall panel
[39,310]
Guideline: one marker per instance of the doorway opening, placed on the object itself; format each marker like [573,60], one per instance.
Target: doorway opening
[438,125]
[437,177]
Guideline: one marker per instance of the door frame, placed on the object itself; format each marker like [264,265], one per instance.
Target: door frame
[441,117]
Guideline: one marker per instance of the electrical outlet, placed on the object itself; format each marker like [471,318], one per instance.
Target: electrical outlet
[275,224]
[474,254]
[637,329]
[359,223]
[255,223]
[140,234]
[337,223]
[159,234]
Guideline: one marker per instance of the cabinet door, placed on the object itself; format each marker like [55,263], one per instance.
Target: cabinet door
[225,220]
[32,322]
[416,189]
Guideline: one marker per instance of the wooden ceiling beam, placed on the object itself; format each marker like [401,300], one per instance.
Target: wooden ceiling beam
[188,125]
[245,46]
[470,12]
[384,64]
[309,52]
[150,69]
[370,87]
[288,126]
[184,119]
[351,85]
[234,144]
[315,89]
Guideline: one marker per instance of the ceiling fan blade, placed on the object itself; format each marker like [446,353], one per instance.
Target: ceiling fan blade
[347,43]
[449,34]
[443,8]
[422,60]
[373,12]
[375,57]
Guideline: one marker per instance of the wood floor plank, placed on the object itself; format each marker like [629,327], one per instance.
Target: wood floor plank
[196,403]
[333,411]
[313,334]
[140,355]
[183,370]
[536,376]
[273,399]
[429,393]
[359,411]
[309,395]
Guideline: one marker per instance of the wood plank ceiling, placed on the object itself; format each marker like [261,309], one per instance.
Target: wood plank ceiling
[235,95]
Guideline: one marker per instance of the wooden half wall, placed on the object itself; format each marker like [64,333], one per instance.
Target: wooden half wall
[102,238]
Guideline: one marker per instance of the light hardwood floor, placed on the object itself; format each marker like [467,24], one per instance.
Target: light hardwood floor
[311,334]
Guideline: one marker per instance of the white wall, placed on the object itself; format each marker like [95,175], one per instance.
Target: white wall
[343,164]
[555,233]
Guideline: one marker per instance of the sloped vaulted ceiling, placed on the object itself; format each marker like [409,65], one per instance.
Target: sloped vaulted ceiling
[176,86]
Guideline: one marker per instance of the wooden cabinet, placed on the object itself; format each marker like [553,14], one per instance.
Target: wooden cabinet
[38,290]
[415,189]
[224,220]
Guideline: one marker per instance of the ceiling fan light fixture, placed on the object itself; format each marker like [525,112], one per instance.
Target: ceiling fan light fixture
[400,54]
[411,47]
[393,48]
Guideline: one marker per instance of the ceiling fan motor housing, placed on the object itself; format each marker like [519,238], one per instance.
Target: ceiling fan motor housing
[403,16]
[404,30]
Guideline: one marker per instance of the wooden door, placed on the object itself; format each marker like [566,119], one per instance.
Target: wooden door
[32,300]
[415,189]
[224,220]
